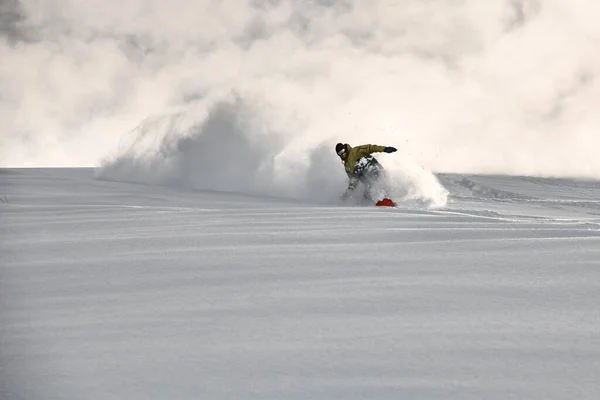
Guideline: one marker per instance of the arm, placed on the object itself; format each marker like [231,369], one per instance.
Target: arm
[351,186]
[367,149]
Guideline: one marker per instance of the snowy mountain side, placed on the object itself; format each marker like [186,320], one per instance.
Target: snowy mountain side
[137,291]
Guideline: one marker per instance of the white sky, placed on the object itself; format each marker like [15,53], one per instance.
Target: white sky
[507,86]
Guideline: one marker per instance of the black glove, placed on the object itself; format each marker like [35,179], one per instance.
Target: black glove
[390,149]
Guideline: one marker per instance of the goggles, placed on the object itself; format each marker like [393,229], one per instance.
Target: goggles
[342,153]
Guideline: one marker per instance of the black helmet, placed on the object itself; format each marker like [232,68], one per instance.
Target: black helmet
[341,149]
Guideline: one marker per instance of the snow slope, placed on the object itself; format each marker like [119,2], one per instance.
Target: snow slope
[114,290]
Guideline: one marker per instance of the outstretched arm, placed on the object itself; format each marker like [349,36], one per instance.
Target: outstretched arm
[367,149]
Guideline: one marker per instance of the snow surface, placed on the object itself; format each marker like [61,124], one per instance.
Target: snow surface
[113,290]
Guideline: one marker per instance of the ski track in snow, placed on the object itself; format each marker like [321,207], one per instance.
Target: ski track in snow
[127,291]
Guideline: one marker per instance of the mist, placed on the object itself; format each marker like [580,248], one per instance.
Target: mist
[163,91]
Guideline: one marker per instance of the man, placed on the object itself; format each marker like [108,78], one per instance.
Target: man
[361,166]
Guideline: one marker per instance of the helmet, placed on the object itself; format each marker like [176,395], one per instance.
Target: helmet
[341,149]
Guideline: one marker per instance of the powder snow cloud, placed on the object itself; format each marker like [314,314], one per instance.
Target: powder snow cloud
[503,86]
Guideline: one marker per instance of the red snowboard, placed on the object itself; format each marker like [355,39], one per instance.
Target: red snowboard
[385,203]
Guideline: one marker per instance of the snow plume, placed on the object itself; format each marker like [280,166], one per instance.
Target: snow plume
[228,148]
[410,183]
[495,86]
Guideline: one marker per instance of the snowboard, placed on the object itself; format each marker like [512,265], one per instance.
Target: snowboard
[385,202]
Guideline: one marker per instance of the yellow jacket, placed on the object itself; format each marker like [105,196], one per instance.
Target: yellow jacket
[356,153]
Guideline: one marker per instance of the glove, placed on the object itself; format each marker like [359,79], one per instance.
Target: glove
[351,187]
[390,149]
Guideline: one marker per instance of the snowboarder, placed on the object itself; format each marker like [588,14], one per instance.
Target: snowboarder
[361,166]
